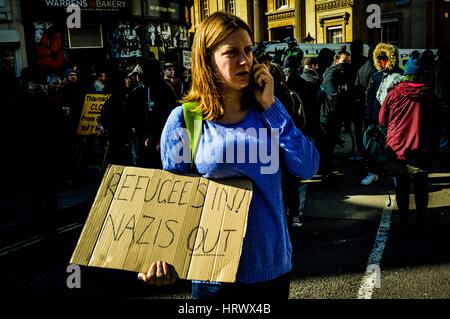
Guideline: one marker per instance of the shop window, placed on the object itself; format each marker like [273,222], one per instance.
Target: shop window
[280,4]
[281,33]
[390,31]
[89,36]
[334,34]
[229,6]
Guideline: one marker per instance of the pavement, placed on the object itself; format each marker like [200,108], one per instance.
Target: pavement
[16,220]
[330,251]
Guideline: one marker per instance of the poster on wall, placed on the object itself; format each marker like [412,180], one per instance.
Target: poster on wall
[49,40]
[39,29]
[112,43]
[123,41]
[167,36]
[187,59]
[129,41]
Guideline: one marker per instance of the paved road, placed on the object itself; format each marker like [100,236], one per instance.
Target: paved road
[330,252]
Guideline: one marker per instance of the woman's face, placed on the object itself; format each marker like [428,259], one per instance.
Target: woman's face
[232,60]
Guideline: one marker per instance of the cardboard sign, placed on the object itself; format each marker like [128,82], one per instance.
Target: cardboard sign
[143,215]
[90,116]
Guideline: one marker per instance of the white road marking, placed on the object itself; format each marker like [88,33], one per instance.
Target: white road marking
[372,278]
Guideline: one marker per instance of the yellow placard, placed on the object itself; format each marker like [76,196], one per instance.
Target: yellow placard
[90,116]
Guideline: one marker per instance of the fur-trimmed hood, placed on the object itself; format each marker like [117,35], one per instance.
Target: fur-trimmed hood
[388,50]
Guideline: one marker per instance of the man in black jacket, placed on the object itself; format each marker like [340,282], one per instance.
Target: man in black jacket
[310,99]
[336,95]
[152,103]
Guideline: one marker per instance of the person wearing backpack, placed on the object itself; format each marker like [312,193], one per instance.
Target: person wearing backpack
[235,96]
[410,112]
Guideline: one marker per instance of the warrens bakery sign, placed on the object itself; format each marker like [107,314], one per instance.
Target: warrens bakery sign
[100,5]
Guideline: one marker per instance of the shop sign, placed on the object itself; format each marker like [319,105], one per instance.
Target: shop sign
[92,5]
[164,9]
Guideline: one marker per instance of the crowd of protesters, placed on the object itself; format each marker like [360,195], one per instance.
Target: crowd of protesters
[47,106]
[346,90]
[324,95]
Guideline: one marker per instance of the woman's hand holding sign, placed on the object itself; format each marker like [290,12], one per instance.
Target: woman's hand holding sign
[160,273]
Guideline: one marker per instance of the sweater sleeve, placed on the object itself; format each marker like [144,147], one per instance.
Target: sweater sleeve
[175,143]
[300,154]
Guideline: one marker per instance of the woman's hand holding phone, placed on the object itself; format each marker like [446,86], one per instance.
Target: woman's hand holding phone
[263,85]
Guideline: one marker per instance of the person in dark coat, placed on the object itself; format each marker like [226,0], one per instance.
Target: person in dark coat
[72,99]
[385,58]
[309,95]
[326,59]
[361,84]
[152,103]
[441,80]
[41,122]
[290,182]
[409,112]
[116,120]
[336,95]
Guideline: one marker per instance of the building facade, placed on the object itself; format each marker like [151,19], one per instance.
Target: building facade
[241,8]
[409,23]
[111,33]
[126,30]
[406,23]
[12,40]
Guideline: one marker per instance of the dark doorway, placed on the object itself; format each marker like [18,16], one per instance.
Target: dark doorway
[281,33]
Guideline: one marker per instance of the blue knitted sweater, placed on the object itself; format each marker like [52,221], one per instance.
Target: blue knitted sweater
[245,150]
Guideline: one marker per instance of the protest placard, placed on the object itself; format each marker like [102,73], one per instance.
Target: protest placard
[90,116]
[143,215]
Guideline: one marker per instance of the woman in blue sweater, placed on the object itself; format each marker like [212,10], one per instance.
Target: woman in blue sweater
[236,97]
